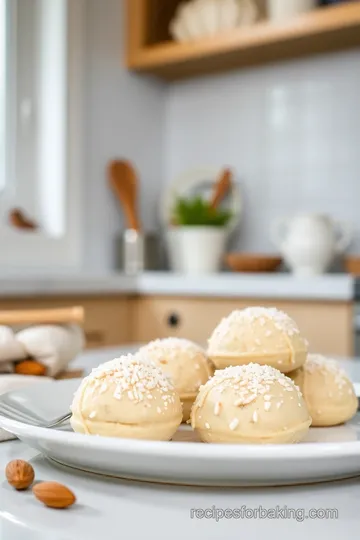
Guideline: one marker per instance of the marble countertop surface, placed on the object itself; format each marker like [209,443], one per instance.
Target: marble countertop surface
[331,287]
[115,509]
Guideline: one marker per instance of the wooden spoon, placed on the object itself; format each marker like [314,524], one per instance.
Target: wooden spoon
[221,188]
[123,180]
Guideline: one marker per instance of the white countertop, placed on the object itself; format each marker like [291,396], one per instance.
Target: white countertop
[115,509]
[332,287]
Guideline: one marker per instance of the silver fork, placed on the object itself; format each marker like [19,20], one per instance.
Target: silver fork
[22,414]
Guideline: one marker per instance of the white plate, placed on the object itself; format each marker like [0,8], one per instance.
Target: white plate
[329,453]
[196,181]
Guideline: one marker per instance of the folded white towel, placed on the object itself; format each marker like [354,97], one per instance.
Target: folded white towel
[53,346]
[10,349]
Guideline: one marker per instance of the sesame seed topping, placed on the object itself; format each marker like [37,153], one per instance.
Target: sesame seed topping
[267,406]
[168,349]
[103,388]
[132,375]
[217,408]
[255,417]
[234,424]
[92,414]
[258,382]
[207,425]
[227,330]
[317,362]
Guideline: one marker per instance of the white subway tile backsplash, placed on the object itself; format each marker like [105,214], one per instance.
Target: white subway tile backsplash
[291,132]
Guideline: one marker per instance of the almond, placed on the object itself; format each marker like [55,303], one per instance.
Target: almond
[30,367]
[54,495]
[19,474]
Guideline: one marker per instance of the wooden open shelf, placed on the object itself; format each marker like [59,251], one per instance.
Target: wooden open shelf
[151,51]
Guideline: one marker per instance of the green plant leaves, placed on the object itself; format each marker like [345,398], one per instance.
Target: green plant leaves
[198,212]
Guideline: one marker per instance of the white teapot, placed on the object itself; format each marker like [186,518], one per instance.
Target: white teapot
[309,242]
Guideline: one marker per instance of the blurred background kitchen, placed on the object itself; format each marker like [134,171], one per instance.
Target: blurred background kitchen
[165,162]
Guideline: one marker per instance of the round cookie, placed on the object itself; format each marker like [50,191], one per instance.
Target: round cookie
[185,362]
[250,404]
[265,336]
[127,397]
[328,391]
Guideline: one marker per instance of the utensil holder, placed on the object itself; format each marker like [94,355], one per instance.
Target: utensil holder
[136,252]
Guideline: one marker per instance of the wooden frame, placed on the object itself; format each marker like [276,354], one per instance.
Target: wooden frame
[324,29]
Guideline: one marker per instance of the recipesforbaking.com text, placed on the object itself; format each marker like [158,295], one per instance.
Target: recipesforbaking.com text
[260,512]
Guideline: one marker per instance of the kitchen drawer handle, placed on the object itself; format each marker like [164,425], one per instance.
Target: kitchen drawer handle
[95,336]
[173,320]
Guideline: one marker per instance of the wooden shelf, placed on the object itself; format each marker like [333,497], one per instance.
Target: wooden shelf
[325,29]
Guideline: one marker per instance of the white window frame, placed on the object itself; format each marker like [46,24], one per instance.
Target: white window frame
[55,250]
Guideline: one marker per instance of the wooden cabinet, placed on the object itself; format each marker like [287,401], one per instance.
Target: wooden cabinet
[106,318]
[120,320]
[150,48]
[327,326]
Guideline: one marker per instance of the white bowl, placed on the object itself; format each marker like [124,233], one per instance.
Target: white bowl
[204,18]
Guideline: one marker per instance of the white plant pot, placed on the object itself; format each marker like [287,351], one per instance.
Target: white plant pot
[281,10]
[196,250]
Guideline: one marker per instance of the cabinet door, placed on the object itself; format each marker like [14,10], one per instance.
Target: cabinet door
[106,317]
[327,326]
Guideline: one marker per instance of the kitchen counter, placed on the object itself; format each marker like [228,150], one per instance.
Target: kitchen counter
[331,287]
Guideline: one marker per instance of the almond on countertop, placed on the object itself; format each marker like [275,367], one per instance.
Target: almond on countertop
[19,474]
[30,367]
[54,495]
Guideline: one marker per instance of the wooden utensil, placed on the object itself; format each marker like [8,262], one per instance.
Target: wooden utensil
[352,265]
[221,188]
[19,220]
[43,316]
[124,182]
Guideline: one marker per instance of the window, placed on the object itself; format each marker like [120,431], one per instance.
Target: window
[3,65]
[40,131]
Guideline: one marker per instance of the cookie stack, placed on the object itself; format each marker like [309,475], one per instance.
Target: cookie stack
[266,388]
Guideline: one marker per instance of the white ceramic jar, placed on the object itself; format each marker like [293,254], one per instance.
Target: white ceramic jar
[282,10]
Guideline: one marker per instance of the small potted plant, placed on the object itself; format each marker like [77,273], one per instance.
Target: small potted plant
[197,238]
